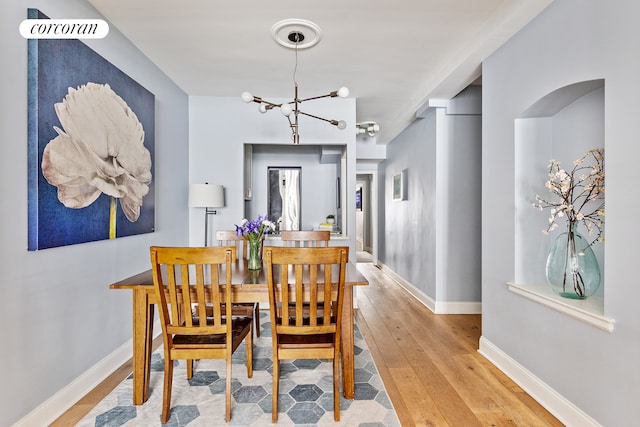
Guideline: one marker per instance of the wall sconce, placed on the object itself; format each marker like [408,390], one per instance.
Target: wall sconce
[208,196]
[370,128]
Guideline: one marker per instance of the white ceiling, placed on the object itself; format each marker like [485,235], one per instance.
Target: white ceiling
[392,55]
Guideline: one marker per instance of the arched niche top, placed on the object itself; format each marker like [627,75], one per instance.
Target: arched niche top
[555,101]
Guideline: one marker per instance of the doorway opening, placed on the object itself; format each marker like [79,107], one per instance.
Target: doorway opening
[366,217]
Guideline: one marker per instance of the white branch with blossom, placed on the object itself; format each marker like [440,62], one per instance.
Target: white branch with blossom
[579,192]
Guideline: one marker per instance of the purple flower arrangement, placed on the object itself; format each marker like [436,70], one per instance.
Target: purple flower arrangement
[254,230]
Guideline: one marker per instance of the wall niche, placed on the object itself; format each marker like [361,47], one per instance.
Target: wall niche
[562,125]
[320,168]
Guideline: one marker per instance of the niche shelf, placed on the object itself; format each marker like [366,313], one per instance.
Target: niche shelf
[562,125]
[589,311]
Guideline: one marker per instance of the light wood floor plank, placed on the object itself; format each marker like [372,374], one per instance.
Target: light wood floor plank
[421,406]
[392,388]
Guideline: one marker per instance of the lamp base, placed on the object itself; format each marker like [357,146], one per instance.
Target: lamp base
[207,212]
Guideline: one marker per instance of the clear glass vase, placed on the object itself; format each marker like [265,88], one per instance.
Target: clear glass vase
[254,262]
[572,267]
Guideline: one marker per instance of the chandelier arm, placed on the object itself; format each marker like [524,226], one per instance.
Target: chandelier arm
[270,104]
[319,97]
[333,122]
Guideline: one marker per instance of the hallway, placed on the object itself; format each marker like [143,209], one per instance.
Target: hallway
[430,366]
[364,257]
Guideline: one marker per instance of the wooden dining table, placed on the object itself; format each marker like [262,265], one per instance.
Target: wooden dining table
[247,286]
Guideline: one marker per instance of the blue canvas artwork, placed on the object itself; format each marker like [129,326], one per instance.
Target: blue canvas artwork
[90,147]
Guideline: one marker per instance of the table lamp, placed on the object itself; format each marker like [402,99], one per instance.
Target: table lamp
[208,196]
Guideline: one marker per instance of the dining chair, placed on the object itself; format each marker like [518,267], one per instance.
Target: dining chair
[184,278]
[248,309]
[301,279]
[305,238]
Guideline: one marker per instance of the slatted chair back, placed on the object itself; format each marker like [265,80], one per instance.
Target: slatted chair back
[230,238]
[190,269]
[304,238]
[306,289]
[196,312]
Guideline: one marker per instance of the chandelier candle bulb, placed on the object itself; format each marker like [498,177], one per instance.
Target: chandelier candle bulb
[247,97]
[286,110]
[343,92]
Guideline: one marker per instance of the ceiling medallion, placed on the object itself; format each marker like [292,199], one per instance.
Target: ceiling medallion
[282,33]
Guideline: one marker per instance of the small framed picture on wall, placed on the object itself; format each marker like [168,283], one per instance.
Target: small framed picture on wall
[400,186]
[359,199]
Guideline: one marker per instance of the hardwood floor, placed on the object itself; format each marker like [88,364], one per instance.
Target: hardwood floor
[95,396]
[429,365]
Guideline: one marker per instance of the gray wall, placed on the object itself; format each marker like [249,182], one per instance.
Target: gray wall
[462,244]
[432,239]
[60,316]
[571,41]
[410,225]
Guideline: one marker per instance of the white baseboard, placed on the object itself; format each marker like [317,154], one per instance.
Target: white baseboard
[60,402]
[554,402]
[437,307]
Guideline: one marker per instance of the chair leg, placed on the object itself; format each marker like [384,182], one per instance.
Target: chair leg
[189,363]
[248,341]
[168,381]
[257,317]
[336,387]
[227,414]
[274,390]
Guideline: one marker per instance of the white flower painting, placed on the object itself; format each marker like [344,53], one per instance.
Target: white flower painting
[100,150]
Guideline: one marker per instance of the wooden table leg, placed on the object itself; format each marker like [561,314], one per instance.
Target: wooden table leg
[142,340]
[348,375]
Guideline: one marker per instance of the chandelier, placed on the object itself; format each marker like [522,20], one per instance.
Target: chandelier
[293,31]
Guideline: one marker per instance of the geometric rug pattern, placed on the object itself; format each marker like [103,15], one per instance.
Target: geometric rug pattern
[306,393]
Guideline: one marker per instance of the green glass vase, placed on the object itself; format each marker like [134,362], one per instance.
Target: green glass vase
[572,268]
[254,262]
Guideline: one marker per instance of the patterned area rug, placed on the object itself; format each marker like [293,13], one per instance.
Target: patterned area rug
[306,393]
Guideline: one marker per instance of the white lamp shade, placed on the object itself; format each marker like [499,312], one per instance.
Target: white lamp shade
[206,196]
